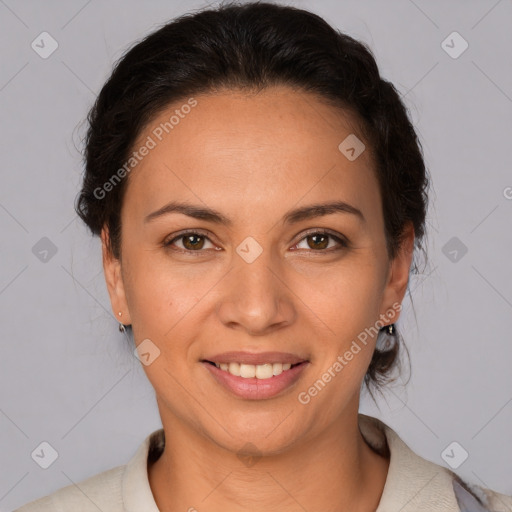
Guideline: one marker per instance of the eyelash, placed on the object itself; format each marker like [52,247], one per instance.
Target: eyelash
[343,243]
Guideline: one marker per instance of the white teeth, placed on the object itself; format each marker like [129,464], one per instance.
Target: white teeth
[264,371]
[277,368]
[247,371]
[234,369]
[260,371]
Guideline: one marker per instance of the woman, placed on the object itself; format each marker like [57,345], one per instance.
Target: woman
[260,192]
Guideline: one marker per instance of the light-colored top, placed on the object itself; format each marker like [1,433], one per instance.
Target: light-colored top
[413,484]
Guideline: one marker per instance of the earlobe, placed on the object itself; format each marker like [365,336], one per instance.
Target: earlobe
[114,280]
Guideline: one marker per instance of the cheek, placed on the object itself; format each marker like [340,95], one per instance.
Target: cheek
[345,297]
[159,296]
[348,307]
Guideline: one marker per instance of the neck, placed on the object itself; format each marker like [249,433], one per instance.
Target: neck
[338,471]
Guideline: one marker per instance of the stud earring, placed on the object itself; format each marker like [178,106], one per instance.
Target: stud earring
[121,326]
[390,329]
[387,338]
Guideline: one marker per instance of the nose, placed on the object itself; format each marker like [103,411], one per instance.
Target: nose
[255,297]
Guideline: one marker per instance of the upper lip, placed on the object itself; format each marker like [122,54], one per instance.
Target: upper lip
[255,358]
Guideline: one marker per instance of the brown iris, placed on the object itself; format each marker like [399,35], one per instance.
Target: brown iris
[189,239]
[321,245]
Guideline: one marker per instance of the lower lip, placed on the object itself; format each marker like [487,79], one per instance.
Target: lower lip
[253,388]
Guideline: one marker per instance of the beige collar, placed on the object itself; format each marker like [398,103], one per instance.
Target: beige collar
[413,483]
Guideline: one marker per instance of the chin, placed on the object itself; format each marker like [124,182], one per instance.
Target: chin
[252,435]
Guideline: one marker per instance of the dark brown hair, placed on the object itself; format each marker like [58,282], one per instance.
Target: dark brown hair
[250,47]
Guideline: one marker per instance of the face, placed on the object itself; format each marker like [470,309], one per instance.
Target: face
[252,268]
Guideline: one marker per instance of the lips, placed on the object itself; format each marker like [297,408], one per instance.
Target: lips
[254,388]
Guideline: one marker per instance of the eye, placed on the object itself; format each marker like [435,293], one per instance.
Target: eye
[319,241]
[192,241]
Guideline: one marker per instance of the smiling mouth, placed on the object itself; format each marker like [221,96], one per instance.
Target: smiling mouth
[258,371]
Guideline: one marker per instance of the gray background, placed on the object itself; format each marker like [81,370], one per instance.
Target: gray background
[68,377]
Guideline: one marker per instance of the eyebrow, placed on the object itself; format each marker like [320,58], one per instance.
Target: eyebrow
[291,217]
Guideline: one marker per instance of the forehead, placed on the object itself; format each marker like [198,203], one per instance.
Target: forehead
[274,144]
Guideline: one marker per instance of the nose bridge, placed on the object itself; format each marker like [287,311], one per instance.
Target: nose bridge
[254,297]
[255,271]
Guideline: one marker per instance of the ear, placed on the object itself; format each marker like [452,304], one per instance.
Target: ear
[398,274]
[114,280]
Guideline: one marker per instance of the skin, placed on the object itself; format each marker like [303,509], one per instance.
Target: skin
[254,157]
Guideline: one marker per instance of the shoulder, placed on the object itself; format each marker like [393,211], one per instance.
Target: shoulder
[417,484]
[115,490]
[99,492]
